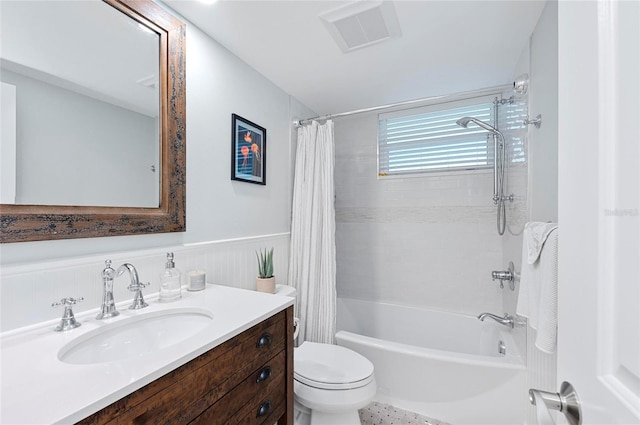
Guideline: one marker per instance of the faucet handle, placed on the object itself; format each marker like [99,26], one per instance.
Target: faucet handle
[108,272]
[67,301]
[137,286]
[138,300]
[68,320]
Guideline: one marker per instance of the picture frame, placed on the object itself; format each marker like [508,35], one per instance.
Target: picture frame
[248,151]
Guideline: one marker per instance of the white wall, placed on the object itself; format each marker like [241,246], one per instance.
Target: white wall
[517,211]
[218,84]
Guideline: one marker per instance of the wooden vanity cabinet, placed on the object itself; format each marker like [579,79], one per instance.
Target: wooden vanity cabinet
[247,380]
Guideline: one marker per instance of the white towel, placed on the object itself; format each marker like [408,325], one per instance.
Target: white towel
[538,293]
[535,235]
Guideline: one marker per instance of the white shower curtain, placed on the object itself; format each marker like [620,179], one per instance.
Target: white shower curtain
[312,262]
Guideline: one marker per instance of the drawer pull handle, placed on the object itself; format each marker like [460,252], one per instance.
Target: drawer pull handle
[264,340]
[264,374]
[264,408]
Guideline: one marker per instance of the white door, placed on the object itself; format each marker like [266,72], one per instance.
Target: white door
[599,193]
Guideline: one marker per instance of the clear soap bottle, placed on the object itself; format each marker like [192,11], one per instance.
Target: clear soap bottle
[170,282]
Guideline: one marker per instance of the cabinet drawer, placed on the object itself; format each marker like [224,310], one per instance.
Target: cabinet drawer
[262,342]
[267,411]
[257,397]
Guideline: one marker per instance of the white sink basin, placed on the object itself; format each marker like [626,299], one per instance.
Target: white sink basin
[136,336]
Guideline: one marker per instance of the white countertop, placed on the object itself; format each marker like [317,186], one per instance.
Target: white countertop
[38,388]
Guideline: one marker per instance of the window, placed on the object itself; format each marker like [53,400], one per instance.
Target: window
[428,139]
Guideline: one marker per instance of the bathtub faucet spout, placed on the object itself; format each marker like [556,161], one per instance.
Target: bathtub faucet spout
[507,320]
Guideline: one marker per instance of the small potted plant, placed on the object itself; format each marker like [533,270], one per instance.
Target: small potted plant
[266,282]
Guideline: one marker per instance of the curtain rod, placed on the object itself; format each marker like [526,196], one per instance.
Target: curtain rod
[447,97]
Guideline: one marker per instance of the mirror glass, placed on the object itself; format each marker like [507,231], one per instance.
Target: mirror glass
[80,106]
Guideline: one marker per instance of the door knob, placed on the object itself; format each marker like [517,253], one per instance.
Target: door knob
[566,401]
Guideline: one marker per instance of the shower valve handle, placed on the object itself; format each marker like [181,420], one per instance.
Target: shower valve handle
[508,275]
[502,275]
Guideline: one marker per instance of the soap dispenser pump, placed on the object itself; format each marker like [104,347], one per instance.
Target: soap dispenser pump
[170,284]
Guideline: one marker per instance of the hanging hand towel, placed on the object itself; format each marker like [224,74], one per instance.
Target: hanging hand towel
[535,238]
[538,294]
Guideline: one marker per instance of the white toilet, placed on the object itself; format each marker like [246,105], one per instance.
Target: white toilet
[330,382]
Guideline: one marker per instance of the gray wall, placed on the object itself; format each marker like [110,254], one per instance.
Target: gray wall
[543,142]
[76,150]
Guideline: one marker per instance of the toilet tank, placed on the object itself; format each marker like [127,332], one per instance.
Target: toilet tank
[290,291]
[286,290]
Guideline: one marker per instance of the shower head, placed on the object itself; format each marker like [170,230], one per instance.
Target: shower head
[464,122]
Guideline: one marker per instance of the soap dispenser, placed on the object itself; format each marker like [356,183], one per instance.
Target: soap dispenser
[170,284]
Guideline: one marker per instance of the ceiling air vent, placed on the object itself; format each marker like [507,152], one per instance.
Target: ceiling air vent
[362,24]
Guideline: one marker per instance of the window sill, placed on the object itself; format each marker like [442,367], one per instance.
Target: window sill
[443,173]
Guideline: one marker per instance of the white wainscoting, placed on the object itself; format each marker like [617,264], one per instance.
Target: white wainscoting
[27,290]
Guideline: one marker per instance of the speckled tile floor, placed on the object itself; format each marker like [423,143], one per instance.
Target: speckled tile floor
[384,414]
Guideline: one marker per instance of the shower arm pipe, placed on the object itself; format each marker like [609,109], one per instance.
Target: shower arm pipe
[424,100]
[496,143]
[496,189]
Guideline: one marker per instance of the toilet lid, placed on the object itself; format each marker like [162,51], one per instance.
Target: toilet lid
[331,366]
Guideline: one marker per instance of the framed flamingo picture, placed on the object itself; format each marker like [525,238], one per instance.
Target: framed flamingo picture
[248,151]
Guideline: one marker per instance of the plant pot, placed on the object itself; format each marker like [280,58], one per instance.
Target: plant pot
[266,284]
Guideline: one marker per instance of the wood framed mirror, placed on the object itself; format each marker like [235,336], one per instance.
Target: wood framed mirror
[166,212]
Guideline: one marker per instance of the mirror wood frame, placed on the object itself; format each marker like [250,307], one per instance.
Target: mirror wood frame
[22,223]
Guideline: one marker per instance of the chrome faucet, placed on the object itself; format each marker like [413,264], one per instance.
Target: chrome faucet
[108,308]
[507,320]
[135,286]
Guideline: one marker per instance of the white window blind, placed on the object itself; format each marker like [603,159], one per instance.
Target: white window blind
[428,139]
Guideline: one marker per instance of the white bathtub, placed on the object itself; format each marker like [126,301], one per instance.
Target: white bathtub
[442,365]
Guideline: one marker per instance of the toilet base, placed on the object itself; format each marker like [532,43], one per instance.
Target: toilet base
[301,416]
[304,416]
[313,406]
[345,418]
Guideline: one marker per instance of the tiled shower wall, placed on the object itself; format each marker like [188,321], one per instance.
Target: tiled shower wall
[429,241]
[27,290]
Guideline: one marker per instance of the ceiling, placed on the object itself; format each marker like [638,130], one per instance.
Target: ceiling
[446,46]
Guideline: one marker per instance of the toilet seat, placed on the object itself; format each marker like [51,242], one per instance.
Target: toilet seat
[331,367]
